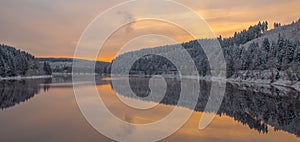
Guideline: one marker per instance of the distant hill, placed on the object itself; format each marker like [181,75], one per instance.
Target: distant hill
[15,62]
[64,65]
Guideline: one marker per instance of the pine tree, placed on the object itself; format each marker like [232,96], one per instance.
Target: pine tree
[296,62]
[2,66]
[47,68]
[266,45]
[290,49]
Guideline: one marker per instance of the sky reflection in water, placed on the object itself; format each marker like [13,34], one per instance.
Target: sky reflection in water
[46,110]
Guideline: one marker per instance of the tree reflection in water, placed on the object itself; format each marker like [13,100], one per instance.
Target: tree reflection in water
[13,92]
[255,106]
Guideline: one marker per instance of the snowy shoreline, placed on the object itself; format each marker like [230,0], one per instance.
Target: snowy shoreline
[280,83]
[25,77]
[259,82]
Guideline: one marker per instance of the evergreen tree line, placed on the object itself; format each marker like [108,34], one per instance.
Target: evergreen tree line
[245,36]
[275,56]
[15,62]
[281,55]
[65,65]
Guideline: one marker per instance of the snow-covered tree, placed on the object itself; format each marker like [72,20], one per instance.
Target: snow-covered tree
[15,62]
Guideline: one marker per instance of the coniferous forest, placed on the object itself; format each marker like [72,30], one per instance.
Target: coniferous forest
[15,62]
[255,53]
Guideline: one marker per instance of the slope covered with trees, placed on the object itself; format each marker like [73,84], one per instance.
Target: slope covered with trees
[15,62]
[252,54]
[272,55]
[64,65]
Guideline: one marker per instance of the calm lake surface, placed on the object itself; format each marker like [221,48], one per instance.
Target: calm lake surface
[46,110]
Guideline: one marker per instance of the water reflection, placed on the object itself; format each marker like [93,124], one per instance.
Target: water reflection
[255,106]
[13,92]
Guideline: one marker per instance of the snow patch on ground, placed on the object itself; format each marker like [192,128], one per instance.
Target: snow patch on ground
[255,83]
[296,86]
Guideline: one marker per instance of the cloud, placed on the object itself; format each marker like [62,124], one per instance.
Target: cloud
[128,17]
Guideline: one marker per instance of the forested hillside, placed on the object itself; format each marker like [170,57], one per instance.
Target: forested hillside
[64,65]
[249,54]
[271,55]
[15,62]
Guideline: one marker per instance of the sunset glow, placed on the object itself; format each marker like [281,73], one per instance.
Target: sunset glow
[54,28]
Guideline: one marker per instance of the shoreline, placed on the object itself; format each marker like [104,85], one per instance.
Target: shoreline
[26,77]
[279,83]
[261,82]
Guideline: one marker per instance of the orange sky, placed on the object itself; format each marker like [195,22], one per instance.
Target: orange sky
[53,28]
